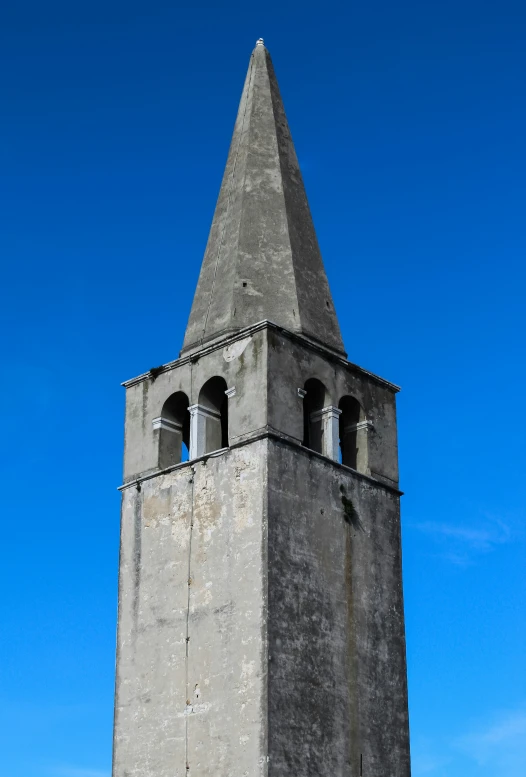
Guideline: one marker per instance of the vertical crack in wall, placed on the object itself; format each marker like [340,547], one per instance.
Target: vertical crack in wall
[137,550]
[354,710]
[187,635]
[264,732]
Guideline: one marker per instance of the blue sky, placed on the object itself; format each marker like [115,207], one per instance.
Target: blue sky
[409,120]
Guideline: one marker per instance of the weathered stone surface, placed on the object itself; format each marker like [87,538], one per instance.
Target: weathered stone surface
[191,654]
[261,622]
[337,670]
[262,260]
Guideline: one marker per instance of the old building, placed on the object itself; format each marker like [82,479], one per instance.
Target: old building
[261,624]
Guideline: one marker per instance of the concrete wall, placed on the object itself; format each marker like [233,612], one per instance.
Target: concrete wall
[337,671]
[191,649]
[323,591]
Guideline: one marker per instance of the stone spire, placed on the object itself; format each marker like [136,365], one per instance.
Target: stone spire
[262,260]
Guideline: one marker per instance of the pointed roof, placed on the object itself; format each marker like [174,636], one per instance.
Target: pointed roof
[262,260]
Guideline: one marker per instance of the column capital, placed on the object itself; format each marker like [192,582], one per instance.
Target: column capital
[166,423]
[201,410]
[360,425]
[326,412]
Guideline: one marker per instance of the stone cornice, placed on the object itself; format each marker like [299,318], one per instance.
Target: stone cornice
[306,342]
[261,434]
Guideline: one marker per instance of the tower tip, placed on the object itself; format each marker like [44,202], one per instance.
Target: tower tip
[262,261]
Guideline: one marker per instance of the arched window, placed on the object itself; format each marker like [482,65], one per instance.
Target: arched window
[353,434]
[209,428]
[314,401]
[173,430]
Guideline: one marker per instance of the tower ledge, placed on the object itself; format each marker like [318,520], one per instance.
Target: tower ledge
[267,432]
[241,334]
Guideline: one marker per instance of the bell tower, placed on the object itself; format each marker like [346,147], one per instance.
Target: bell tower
[261,622]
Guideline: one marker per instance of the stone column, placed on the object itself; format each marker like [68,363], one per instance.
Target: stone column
[169,441]
[205,430]
[325,431]
[355,445]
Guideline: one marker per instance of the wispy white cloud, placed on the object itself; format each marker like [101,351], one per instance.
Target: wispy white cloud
[428,757]
[484,538]
[73,771]
[500,746]
[462,543]
[426,763]
[495,748]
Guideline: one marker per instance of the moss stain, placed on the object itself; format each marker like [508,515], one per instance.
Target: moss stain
[350,514]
